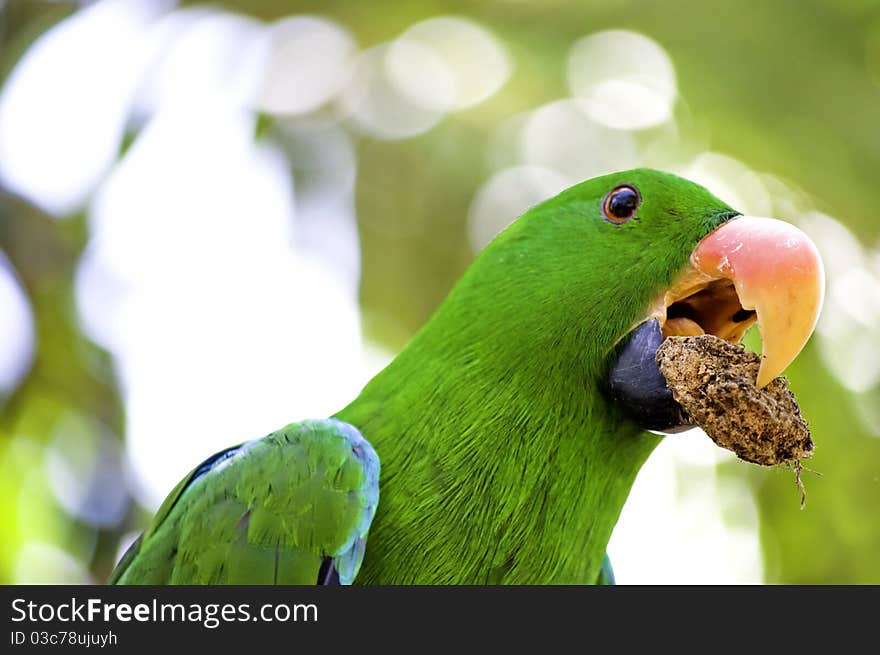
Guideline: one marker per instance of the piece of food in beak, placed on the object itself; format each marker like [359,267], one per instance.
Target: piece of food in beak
[713,380]
[776,271]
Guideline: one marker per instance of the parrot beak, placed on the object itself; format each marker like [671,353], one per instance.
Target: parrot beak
[747,270]
[750,269]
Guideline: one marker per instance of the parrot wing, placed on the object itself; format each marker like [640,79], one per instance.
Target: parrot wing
[291,508]
[606,573]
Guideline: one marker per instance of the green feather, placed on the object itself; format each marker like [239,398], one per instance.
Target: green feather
[267,512]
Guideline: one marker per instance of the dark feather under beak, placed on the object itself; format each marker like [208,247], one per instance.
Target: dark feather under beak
[637,386]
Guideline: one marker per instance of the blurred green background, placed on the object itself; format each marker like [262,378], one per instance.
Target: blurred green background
[217,219]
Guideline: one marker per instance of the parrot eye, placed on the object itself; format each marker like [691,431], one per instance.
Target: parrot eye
[621,203]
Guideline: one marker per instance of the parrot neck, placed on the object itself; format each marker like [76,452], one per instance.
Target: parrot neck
[501,462]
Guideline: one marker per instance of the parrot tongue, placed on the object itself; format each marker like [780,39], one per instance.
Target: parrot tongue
[748,270]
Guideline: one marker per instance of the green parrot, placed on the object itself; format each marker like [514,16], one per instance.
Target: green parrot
[512,426]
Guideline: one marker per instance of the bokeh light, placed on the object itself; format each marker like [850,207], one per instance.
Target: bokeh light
[623,79]
[447,63]
[376,106]
[731,181]
[220,303]
[561,137]
[84,466]
[849,326]
[16,330]
[200,57]
[505,196]
[84,65]
[310,60]
[41,563]
[671,530]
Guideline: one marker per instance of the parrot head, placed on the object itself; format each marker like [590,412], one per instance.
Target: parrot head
[628,259]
